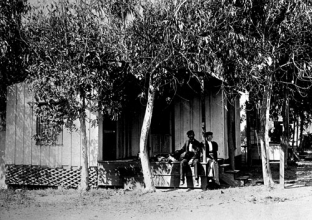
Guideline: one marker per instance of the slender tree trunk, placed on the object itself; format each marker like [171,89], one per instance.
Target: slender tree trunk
[299,127]
[287,130]
[84,183]
[264,134]
[285,136]
[300,138]
[294,136]
[146,167]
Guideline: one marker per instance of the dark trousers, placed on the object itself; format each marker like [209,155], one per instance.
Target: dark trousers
[184,165]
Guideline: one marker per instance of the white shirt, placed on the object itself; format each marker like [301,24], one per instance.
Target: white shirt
[191,147]
[209,146]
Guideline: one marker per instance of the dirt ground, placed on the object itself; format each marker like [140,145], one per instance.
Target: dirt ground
[250,202]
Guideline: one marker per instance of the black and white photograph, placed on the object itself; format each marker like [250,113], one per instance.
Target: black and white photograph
[155,109]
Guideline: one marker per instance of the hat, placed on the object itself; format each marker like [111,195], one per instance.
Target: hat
[208,133]
[190,132]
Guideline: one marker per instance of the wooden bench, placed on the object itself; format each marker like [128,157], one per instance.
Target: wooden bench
[129,174]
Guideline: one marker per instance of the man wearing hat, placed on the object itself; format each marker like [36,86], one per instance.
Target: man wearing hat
[212,156]
[190,155]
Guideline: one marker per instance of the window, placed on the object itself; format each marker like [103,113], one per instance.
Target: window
[44,131]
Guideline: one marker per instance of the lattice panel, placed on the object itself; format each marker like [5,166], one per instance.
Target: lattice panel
[43,176]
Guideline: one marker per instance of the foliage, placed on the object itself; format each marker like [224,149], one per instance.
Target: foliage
[266,38]
[13,48]
[167,39]
[74,64]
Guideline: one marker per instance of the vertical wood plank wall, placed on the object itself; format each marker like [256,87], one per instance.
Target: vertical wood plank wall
[2,158]
[136,127]
[187,116]
[21,148]
[123,137]
[28,127]
[10,126]
[237,127]
[216,120]
[19,128]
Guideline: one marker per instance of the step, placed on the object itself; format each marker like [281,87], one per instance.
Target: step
[220,160]
[229,179]
[232,171]
[222,167]
[242,180]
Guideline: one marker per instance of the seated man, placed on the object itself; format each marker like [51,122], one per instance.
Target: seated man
[212,156]
[190,154]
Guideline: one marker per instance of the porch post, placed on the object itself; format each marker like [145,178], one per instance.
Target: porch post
[202,99]
[100,141]
[248,109]
[231,132]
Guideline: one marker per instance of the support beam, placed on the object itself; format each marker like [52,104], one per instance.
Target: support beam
[202,99]
[282,167]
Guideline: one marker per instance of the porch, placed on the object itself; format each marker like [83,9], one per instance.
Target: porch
[128,173]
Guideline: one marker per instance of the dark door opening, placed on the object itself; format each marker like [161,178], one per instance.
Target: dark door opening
[161,135]
[109,139]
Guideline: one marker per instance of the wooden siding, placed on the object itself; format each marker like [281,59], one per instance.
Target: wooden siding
[187,116]
[19,128]
[21,148]
[217,120]
[238,150]
[2,159]
[128,134]
[137,122]
[29,127]
[10,126]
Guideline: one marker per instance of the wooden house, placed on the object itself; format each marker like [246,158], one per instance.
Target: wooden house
[113,145]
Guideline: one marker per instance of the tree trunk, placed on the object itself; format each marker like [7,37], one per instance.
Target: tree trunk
[146,167]
[284,142]
[300,138]
[285,136]
[294,136]
[299,126]
[264,134]
[84,182]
